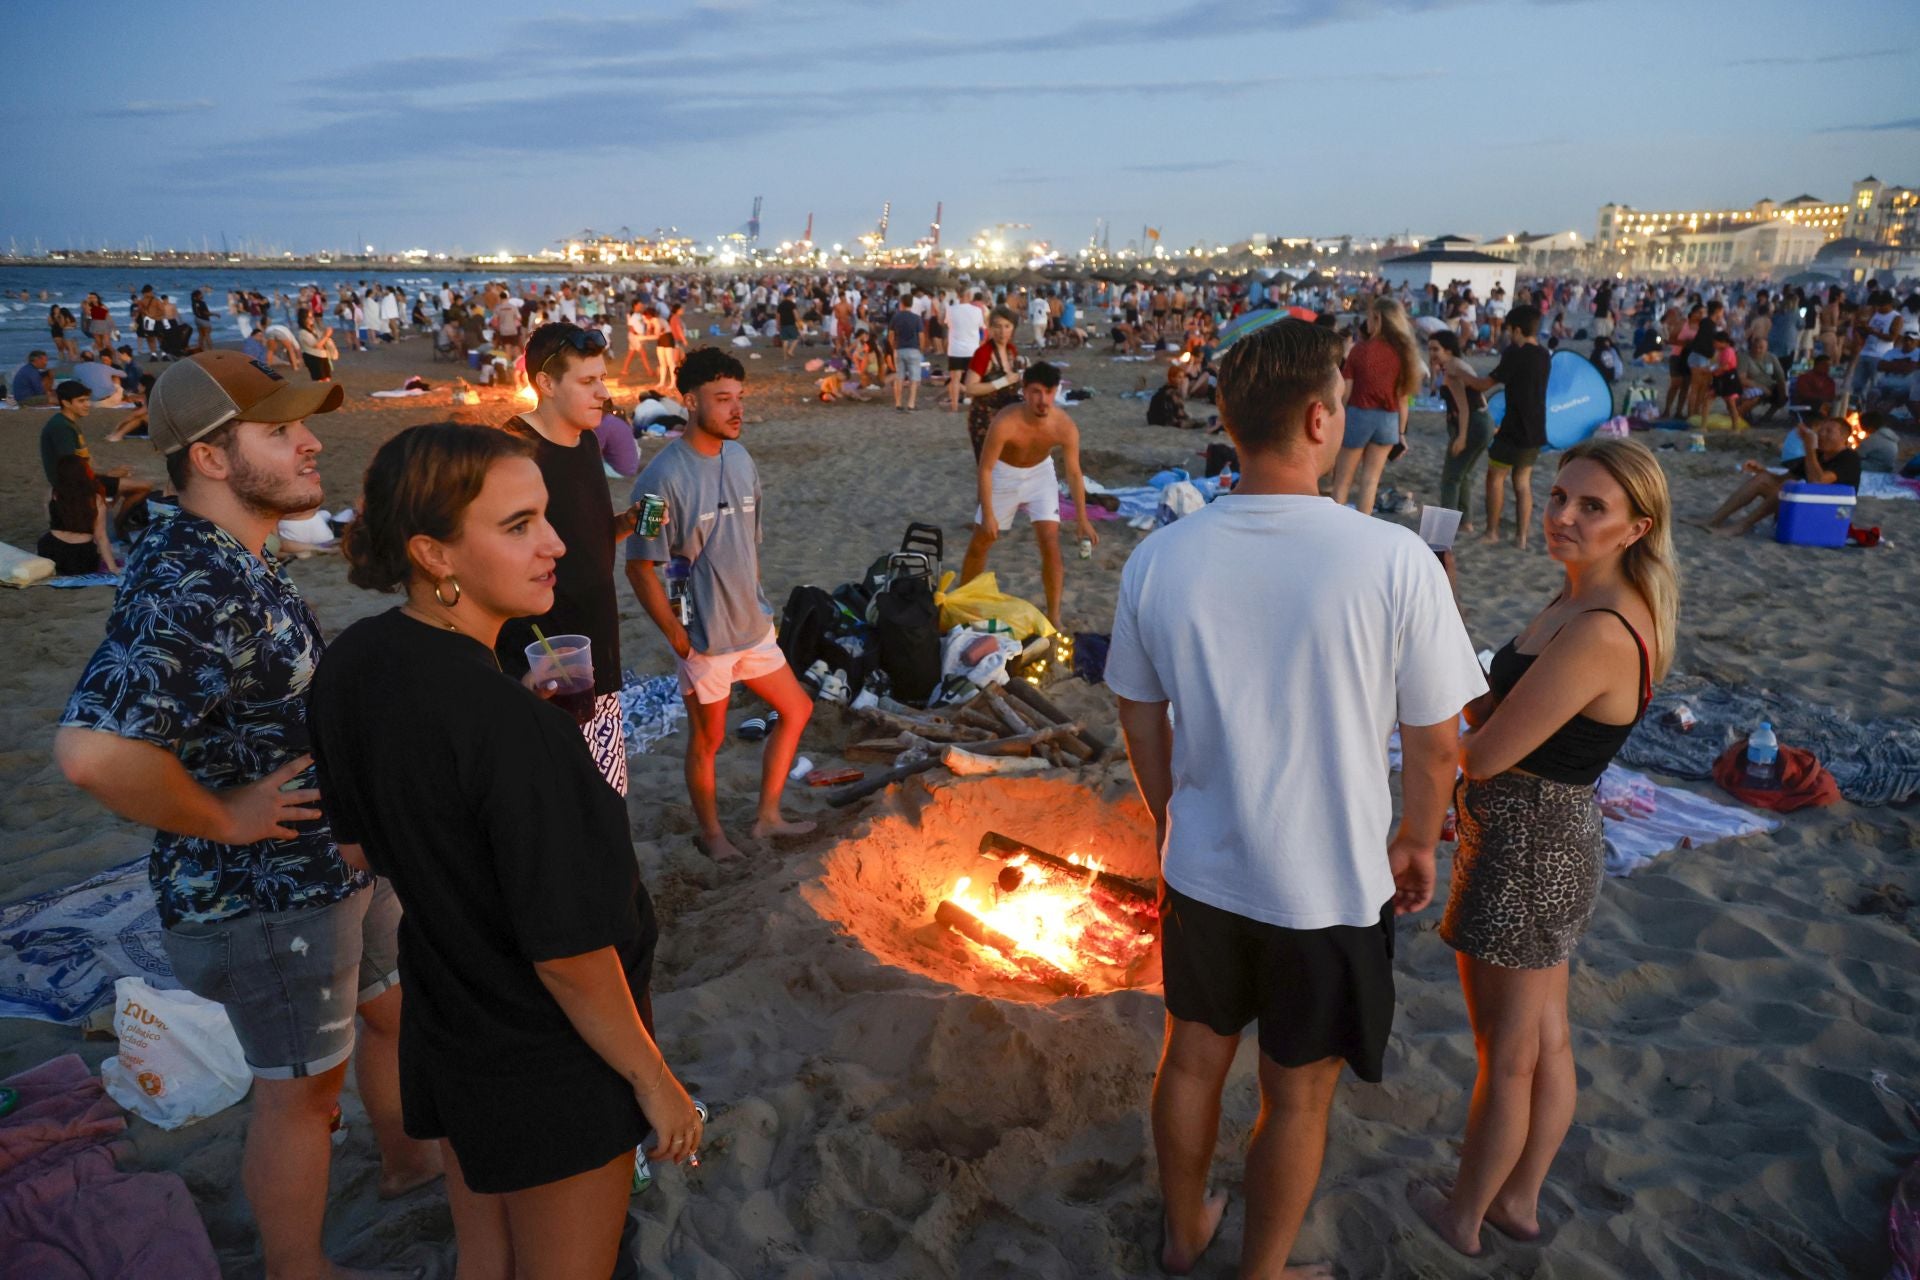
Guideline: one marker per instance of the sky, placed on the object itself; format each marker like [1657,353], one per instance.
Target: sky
[475,128]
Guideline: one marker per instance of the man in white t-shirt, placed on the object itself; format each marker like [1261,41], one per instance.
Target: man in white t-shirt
[1289,636]
[1037,316]
[966,330]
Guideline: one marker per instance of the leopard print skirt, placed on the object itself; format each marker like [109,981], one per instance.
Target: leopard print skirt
[1526,876]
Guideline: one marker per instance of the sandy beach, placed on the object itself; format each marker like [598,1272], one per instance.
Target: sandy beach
[872,1119]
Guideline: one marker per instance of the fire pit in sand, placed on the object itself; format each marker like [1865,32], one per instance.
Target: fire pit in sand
[1020,888]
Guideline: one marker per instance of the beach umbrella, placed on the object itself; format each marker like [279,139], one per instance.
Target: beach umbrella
[1252,322]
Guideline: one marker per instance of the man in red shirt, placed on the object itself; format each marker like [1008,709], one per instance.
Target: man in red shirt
[1815,388]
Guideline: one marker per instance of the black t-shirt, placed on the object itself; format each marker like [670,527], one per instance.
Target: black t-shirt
[1166,409]
[1702,344]
[1523,372]
[786,312]
[480,803]
[581,511]
[1845,466]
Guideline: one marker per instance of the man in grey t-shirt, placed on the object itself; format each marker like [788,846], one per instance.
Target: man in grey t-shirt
[713,613]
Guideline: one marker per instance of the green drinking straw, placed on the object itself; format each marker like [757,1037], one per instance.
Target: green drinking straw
[543,643]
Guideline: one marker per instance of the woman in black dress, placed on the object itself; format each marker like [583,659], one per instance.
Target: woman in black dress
[527,945]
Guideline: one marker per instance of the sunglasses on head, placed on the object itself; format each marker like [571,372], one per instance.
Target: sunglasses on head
[588,342]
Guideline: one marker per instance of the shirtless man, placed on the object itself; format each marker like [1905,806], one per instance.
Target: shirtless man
[1016,474]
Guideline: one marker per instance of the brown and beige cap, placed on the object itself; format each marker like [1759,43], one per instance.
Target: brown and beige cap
[205,392]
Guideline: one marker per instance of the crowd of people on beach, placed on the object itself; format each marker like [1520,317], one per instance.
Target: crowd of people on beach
[319,807]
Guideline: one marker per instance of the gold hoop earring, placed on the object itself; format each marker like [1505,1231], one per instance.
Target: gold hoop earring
[446,603]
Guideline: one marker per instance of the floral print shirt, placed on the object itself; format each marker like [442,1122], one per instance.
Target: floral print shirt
[208,653]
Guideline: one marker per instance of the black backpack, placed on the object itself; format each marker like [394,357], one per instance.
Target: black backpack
[810,627]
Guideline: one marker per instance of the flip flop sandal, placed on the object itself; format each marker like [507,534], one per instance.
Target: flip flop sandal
[755,728]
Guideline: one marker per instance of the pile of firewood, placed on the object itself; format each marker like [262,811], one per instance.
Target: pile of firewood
[1018,720]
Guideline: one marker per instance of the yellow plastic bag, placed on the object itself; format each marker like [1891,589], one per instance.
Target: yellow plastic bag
[982,601]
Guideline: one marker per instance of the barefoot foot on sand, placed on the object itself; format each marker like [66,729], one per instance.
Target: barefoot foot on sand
[398,1181]
[1437,1212]
[767,828]
[716,846]
[1524,1227]
[1177,1261]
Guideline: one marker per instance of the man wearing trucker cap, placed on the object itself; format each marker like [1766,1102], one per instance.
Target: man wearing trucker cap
[190,719]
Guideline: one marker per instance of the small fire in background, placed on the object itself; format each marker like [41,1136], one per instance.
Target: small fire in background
[525,396]
[1856,433]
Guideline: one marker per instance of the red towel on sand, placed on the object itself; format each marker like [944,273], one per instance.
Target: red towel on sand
[1804,781]
[66,1213]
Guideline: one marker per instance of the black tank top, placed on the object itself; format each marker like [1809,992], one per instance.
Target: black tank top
[1581,749]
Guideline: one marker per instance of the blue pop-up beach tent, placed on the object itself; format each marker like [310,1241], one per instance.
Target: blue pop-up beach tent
[1578,400]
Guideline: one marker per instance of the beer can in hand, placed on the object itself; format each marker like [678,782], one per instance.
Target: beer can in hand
[653,515]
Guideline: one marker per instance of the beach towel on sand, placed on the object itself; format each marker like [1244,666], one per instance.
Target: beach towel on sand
[66,1212]
[1874,761]
[61,951]
[652,709]
[1643,819]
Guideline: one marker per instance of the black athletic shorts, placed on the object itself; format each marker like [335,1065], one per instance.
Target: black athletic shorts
[1508,452]
[1317,993]
[958,364]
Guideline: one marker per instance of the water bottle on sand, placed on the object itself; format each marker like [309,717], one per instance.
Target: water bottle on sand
[1763,759]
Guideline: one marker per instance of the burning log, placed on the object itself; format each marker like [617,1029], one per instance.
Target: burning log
[1135,895]
[973,928]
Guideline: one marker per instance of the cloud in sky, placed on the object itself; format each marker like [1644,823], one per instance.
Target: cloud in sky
[1908,125]
[1212,118]
[148,108]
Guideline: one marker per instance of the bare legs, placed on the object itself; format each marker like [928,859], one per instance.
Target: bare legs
[1053,573]
[1763,486]
[404,1162]
[559,1230]
[707,724]
[1523,1102]
[1345,467]
[783,693]
[1283,1162]
[1521,479]
[1373,461]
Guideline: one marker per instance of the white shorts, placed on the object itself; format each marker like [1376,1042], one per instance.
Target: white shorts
[1034,490]
[709,677]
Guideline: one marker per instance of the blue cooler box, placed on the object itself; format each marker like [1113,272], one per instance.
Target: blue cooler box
[1814,515]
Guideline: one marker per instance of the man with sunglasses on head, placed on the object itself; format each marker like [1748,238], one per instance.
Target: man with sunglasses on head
[567,369]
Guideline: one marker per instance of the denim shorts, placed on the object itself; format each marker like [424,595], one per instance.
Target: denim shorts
[291,980]
[1371,426]
[1697,361]
[909,360]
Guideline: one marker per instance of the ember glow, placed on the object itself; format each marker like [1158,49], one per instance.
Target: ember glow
[1856,433]
[1058,916]
[526,396]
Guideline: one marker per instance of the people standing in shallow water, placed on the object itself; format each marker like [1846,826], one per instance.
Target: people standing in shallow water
[1565,694]
[527,945]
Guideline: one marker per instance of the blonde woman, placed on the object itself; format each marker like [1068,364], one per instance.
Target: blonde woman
[1565,694]
[1381,372]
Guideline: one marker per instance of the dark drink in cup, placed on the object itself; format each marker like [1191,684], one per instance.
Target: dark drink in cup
[575,697]
[561,669]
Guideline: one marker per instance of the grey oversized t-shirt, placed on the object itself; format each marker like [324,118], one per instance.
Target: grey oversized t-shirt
[713,519]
